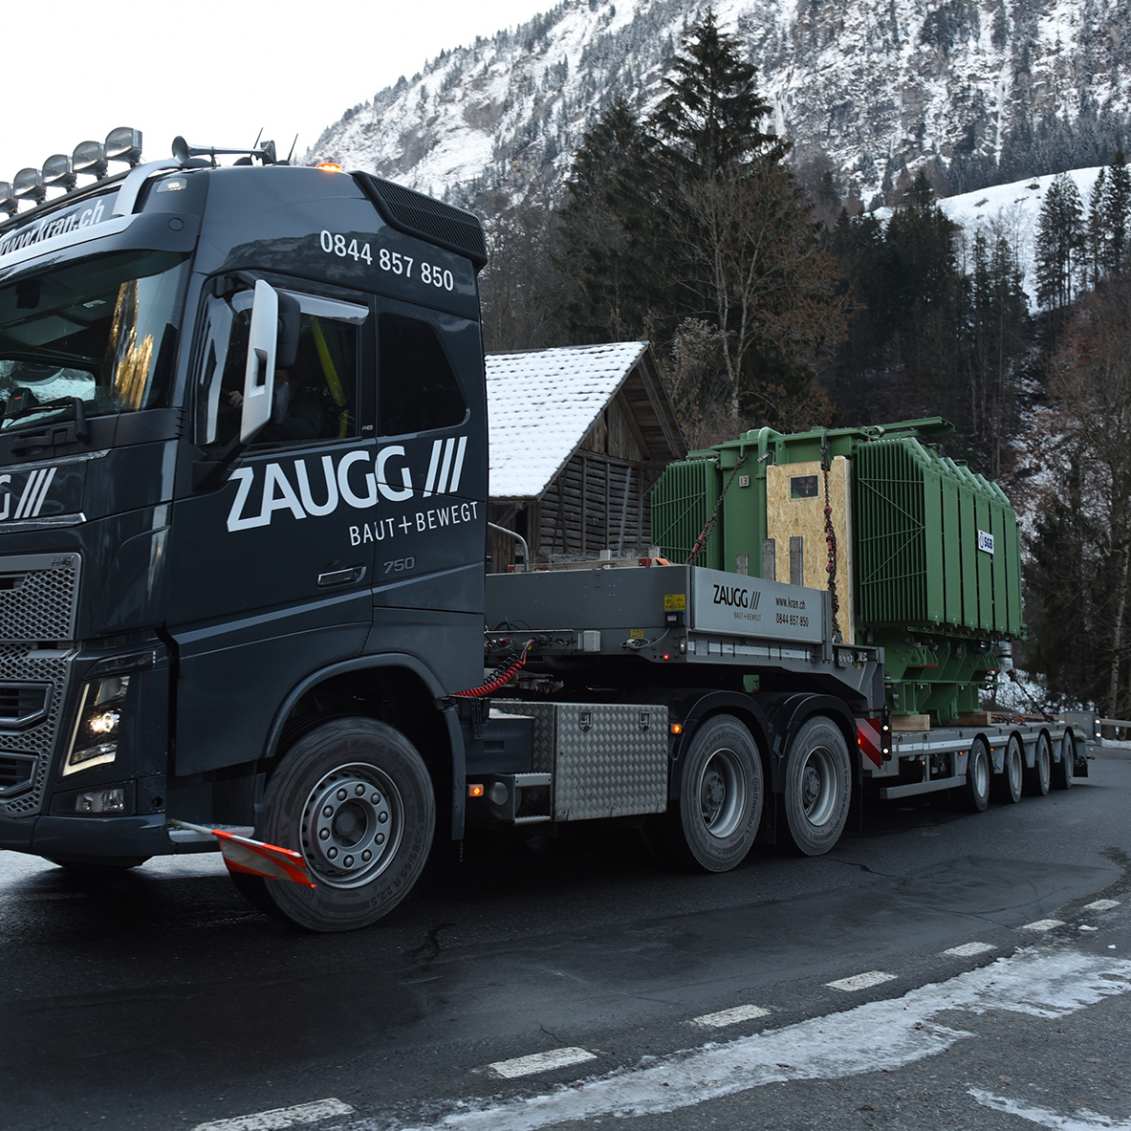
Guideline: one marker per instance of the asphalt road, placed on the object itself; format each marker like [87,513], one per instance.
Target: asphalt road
[558,984]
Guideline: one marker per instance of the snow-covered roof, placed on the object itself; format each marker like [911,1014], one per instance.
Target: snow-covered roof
[541,403]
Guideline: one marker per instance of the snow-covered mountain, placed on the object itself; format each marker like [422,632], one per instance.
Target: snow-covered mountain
[878,85]
[1013,211]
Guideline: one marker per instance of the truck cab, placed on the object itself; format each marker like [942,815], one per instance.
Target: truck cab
[242,491]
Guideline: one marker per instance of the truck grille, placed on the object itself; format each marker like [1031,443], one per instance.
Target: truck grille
[50,668]
[38,597]
[38,609]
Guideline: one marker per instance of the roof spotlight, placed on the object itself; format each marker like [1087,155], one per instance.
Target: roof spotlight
[124,144]
[57,172]
[89,158]
[8,201]
[28,185]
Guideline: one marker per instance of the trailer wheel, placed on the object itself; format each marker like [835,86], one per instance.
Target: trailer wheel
[722,788]
[977,787]
[1008,784]
[1063,771]
[818,786]
[355,798]
[1039,778]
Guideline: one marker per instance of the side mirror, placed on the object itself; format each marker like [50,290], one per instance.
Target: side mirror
[259,374]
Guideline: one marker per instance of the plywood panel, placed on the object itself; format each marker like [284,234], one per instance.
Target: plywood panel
[787,517]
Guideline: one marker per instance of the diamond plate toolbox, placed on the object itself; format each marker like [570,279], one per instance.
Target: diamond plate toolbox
[607,759]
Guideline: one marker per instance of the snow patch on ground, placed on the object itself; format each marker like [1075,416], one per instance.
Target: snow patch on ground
[1045,984]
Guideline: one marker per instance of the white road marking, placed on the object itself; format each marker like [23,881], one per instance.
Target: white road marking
[280,1118]
[1101,905]
[733,1016]
[884,1034]
[1082,1120]
[540,1062]
[969,949]
[861,981]
[1043,925]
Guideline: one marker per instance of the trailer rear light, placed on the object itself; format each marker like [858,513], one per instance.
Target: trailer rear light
[476,789]
[329,167]
[665,656]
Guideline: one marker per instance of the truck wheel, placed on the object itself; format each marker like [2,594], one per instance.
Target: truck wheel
[1039,778]
[1064,769]
[721,794]
[977,787]
[1007,785]
[355,798]
[818,786]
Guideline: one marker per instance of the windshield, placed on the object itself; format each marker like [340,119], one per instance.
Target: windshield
[102,331]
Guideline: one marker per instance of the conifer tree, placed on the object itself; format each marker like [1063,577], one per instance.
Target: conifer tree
[709,122]
[1117,212]
[1097,228]
[1060,238]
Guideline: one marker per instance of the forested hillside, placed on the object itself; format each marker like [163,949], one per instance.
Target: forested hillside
[771,298]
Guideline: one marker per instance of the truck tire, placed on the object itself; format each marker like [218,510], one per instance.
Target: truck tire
[722,789]
[818,786]
[1008,784]
[978,772]
[1063,770]
[354,797]
[1038,780]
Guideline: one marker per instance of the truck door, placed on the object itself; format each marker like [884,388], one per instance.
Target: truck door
[267,585]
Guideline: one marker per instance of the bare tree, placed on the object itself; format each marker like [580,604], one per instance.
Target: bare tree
[1091,383]
[756,270]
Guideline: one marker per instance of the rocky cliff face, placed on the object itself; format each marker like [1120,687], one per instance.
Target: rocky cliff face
[878,85]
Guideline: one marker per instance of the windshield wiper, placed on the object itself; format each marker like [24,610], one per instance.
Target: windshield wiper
[50,436]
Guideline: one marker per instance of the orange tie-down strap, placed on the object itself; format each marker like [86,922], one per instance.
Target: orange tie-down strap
[256,857]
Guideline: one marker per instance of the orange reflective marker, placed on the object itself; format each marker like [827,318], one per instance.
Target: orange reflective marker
[475,789]
[677,728]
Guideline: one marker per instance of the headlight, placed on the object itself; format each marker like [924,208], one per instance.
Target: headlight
[94,741]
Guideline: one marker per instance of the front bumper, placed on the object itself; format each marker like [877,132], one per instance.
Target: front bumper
[87,837]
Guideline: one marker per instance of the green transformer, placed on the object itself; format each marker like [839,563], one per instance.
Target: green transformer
[921,554]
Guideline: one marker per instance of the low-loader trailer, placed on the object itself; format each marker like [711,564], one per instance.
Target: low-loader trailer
[243,485]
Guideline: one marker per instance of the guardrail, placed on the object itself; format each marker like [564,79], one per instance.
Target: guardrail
[1114,733]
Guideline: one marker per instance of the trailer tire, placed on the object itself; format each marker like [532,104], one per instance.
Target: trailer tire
[1008,784]
[722,791]
[354,796]
[978,774]
[1039,778]
[818,786]
[1063,770]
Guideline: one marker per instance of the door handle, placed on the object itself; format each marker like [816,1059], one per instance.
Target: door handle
[346,576]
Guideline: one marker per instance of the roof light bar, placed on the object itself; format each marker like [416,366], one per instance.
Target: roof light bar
[57,172]
[28,184]
[8,201]
[89,159]
[123,144]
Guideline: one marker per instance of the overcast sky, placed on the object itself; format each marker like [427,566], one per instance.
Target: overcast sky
[216,70]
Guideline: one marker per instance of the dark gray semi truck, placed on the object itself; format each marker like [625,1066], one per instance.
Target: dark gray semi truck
[243,491]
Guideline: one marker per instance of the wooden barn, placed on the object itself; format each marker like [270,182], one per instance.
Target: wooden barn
[578,436]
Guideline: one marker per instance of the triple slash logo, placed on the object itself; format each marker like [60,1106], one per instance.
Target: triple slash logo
[359,479]
[32,497]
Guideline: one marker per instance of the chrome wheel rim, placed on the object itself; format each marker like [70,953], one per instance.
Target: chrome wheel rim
[352,824]
[818,786]
[1014,769]
[981,772]
[722,792]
